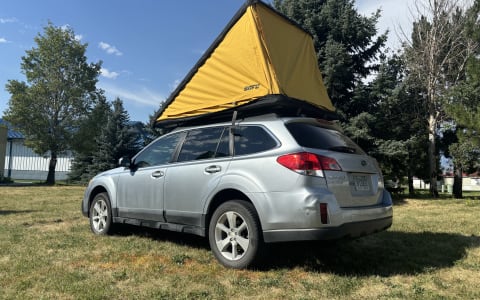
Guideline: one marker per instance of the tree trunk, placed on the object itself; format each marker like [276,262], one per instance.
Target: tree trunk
[457,183]
[432,125]
[411,190]
[51,168]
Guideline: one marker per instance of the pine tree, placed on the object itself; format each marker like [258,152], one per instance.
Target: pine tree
[116,140]
[400,127]
[85,143]
[391,127]
[346,42]
[152,132]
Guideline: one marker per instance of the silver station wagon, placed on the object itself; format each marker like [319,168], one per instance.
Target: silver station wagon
[262,180]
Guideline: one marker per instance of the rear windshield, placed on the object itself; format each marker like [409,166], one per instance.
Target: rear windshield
[313,136]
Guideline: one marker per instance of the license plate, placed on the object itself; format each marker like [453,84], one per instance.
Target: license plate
[361,183]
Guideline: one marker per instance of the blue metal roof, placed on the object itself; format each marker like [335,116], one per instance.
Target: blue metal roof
[11,134]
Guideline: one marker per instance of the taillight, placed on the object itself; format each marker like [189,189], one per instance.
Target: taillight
[308,163]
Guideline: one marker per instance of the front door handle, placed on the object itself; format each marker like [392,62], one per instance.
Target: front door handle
[157,174]
[213,169]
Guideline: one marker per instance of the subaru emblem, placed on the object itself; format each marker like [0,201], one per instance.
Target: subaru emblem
[364,163]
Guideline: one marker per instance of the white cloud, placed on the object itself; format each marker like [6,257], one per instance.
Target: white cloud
[109,48]
[139,95]
[3,41]
[395,17]
[106,73]
[67,27]
[8,20]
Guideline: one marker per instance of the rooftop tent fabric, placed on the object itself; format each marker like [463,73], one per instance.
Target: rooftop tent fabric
[260,53]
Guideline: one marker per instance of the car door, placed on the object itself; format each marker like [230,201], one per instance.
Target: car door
[201,163]
[140,188]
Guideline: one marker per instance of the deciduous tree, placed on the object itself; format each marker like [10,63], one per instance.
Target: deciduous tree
[436,55]
[463,106]
[60,89]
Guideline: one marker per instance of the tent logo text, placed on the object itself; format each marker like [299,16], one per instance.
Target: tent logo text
[251,87]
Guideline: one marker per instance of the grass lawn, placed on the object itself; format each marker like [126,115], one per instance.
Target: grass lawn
[47,251]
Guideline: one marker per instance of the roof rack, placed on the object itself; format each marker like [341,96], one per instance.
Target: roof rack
[280,105]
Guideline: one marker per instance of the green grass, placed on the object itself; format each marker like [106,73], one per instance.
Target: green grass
[47,251]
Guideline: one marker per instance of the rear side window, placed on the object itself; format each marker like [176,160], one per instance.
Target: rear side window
[312,136]
[202,143]
[252,139]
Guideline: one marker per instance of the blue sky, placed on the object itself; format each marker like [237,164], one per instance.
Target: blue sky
[147,46]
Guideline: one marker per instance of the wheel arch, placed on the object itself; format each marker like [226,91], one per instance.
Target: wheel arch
[95,191]
[222,197]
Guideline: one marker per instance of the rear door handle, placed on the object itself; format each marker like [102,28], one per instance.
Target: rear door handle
[213,169]
[157,174]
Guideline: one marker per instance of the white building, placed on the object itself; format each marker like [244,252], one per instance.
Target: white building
[22,162]
[469,183]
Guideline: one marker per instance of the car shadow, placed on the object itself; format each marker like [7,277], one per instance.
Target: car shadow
[189,240]
[384,254]
[12,212]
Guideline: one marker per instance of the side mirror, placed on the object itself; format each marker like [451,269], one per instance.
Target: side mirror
[125,162]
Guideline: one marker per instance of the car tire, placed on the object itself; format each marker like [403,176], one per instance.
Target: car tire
[101,215]
[235,234]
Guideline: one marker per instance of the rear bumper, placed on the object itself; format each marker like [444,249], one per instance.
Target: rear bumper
[298,219]
[347,230]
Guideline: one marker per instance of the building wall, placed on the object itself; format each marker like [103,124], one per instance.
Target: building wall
[26,164]
[468,184]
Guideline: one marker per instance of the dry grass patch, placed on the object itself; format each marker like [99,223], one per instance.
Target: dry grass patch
[47,251]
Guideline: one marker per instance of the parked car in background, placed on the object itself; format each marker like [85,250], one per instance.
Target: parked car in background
[264,179]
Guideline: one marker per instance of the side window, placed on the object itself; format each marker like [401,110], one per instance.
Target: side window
[158,153]
[252,139]
[201,144]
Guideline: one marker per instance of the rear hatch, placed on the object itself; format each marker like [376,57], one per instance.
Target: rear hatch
[356,179]
[357,184]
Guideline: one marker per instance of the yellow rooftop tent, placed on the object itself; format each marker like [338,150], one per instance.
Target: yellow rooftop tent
[260,53]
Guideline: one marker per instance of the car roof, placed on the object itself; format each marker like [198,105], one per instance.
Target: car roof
[267,118]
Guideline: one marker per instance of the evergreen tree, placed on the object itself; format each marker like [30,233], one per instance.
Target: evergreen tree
[346,42]
[85,145]
[152,132]
[116,140]
[392,126]
[400,126]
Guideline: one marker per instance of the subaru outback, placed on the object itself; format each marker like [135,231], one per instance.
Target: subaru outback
[263,179]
